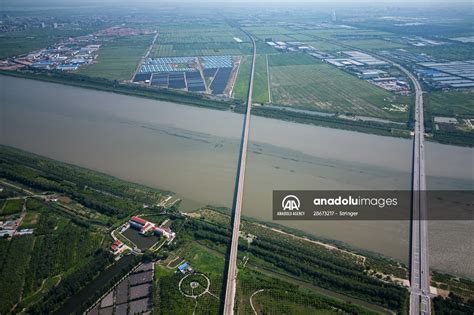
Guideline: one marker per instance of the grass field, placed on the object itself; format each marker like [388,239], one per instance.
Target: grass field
[201,49]
[325,46]
[341,32]
[241,86]
[322,87]
[201,42]
[12,206]
[118,58]
[202,260]
[373,44]
[460,104]
[291,60]
[260,86]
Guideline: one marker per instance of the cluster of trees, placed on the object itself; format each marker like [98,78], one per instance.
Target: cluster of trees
[205,231]
[73,283]
[319,267]
[14,262]
[170,296]
[453,305]
[454,137]
[105,194]
[363,126]
[280,296]
[57,250]
[327,275]
[57,247]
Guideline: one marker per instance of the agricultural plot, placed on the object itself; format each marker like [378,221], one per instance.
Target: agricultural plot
[133,295]
[452,104]
[266,30]
[346,34]
[118,58]
[202,49]
[325,46]
[291,60]
[201,42]
[322,87]
[221,78]
[195,82]
[241,86]
[190,73]
[363,39]
[374,44]
[260,86]
[12,206]
[219,71]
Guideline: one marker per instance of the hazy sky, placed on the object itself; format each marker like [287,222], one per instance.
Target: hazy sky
[325,2]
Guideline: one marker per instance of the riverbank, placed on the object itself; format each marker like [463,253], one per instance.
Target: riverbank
[363,126]
[120,88]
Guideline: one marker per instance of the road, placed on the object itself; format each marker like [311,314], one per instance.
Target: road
[231,281]
[145,56]
[419,268]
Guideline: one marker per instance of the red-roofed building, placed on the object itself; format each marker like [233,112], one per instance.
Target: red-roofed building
[116,245]
[139,220]
[137,223]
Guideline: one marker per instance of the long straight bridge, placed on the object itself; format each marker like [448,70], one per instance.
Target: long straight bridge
[419,268]
[420,302]
[231,282]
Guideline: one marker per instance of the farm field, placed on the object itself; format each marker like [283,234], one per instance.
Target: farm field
[325,46]
[321,87]
[343,33]
[363,39]
[373,44]
[200,42]
[12,206]
[260,86]
[118,58]
[241,86]
[451,104]
[200,49]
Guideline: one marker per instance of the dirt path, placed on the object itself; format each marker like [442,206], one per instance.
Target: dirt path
[360,259]
[251,303]
[268,81]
